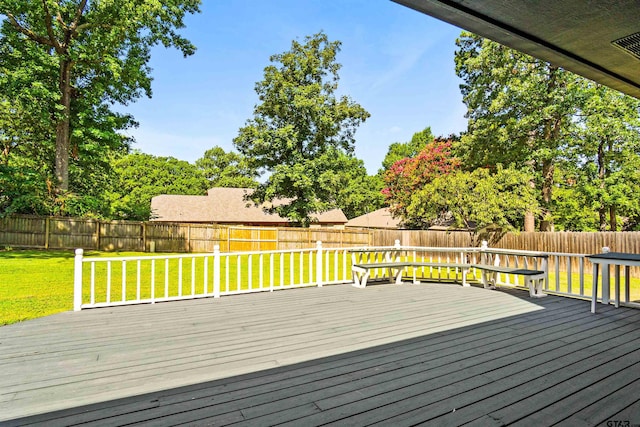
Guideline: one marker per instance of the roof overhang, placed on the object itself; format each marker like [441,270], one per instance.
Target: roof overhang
[598,39]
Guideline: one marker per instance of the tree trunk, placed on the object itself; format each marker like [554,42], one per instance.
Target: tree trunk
[602,210]
[547,185]
[551,133]
[613,222]
[529,222]
[62,128]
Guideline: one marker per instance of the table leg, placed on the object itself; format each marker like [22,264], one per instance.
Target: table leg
[606,283]
[627,284]
[617,284]
[594,288]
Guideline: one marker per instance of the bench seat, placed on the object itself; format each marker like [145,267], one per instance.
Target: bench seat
[533,278]
[361,272]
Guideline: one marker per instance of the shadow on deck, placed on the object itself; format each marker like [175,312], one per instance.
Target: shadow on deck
[393,355]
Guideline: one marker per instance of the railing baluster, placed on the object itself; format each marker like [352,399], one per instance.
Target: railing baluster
[271,272]
[205,268]
[281,284]
[108,281]
[138,280]
[193,276]
[261,276]
[166,278]
[239,270]
[250,272]
[93,283]
[179,277]
[345,255]
[557,270]
[291,268]
[153,281]
[301,263]
[227,285]
[581,272]
[569,287]
[124,280]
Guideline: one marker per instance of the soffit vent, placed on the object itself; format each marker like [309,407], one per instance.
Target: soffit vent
[630,44]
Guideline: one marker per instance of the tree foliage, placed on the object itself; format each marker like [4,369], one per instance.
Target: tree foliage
[520,111]
[139,177]
[402,150]
[76,58]
[297,127]
[409,175]
[484,202]
[606,151]
[227,169]
[349,187]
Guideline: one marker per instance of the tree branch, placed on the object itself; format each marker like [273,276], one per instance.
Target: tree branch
[48,23]
[61,21]
[27,32]
[79,11]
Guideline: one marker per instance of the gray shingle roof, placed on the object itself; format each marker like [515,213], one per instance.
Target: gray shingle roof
[377,219]
[223,206]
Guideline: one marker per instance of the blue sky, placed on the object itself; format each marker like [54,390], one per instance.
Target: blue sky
[397,63]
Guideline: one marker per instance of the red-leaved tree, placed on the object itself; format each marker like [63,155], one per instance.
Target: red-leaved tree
[408,175]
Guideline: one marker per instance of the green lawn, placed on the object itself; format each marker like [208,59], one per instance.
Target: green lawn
[37,283]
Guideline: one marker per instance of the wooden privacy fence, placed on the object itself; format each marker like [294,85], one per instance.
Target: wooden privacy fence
[72,233]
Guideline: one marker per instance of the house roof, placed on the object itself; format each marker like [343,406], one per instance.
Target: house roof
[224,206]
[598,39]
[377,219]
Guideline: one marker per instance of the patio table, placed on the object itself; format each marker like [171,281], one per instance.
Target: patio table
[616,259]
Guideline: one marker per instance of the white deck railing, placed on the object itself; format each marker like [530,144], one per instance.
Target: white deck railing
[112,281]
[101,281]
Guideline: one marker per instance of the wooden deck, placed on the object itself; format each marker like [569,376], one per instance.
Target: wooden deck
[438,354]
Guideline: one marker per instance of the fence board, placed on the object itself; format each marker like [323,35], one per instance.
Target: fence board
[25,231]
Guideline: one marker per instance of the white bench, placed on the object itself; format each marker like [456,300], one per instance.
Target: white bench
[533,278]
[395,270]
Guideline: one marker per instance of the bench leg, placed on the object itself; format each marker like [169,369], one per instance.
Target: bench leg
[360,281]
[535,286]
[395,277]
[485,280]
[464,276]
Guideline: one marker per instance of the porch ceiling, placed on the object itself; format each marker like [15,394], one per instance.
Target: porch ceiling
[578,35]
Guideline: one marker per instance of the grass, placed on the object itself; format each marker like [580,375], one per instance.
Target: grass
[40,283]
[37,283]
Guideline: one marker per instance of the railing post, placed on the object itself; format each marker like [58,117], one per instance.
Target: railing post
[216,271]
[77,281]
[319,263]
[483,252]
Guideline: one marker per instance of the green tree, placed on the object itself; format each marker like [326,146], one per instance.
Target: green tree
[520,112]
[86,55]
[489,204]
[402,150]
[139,177]
[349,187]
[607,152]
[297,123]
[227,169]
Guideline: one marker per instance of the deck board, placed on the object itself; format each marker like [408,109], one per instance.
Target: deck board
[386,354]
